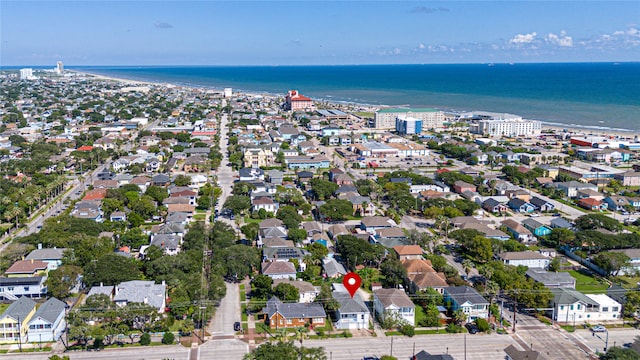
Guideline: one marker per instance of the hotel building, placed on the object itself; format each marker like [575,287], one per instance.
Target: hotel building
[496,124]
[408,125]
[296,101]
[386,118]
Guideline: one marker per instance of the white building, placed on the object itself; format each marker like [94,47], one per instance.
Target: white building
[572,307]
[26,74]
[386,118]
[353,313]
[60,68]
[407,125]
[394,302]
[530,259]
[228,92]
[506,127]
[48,323]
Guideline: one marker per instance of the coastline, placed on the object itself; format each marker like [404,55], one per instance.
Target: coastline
[572,129]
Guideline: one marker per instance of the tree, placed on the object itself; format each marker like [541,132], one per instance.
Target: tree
[632,306]
[560,237]
[261,286]
[611,262]
[61,280]
[326,299]
[182,180]
[595,221]
[157,193]
[336,209]
[479,249]
[322,189]
[238,203]
[393,271]
[289,216]
[111,269]
[145,339]
[297,235]
[618,353]
[286,292]
[285,351]
[168,338]
[250,230]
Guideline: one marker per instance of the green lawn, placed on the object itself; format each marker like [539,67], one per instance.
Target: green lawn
[420,315]
[588,284]
[628,282]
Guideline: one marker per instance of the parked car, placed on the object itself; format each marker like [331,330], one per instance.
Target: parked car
[237,326]
[598,328]
[472,328]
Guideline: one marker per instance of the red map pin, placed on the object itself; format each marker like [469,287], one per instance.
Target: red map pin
[352,282]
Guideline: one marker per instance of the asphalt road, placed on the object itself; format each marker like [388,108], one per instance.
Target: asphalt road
[227,313]
[174,352]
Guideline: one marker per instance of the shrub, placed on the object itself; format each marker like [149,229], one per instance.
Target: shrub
[168,338]
[453,328]
[483,325]
[388,357]
[407,330]
[145,339]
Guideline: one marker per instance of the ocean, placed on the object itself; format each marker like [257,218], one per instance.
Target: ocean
[599,96]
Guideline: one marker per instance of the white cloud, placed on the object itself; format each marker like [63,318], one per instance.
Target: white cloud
[421,46]
[523,38]
[562,40]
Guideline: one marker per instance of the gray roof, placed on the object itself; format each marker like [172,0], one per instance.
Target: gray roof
[166,241]
[349,304]
[278,268]
[551,279]
[395,297]
[293,310]
[19,309]
[138,291]
[532,223]
[332,267]
[561,223]
[46,254]
[564,296]
[105,290]
[17,281]
[50,310]
[463,294]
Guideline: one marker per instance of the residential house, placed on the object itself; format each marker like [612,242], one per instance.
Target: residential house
[279,270]
[307,291]
[421,276]
[390,237]
[88,210]
[14,322]
[633,266]
[630,178]
[372,223]
[13,287]
[469,300]
[409,252]
[27,268]
[48,323]
[292,315]
[617,203]
[52,256]
[283,254]
[258,157]
[541,204]
[275,176]
[461,186]
[528,354]
[592,204]
[573,307]
[140,291]
[520,206]
[485,230]
[570,188]
[118,216]
[552,280]
[352,313]
[161,180]
[332,269]
[168,243]
[251,174]
[536,227]
[265,203]
[337,230]
[518,231]
[395,303]
[561,223]
[494,206]
[530,259]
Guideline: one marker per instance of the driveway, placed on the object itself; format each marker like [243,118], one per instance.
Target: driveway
[227,313]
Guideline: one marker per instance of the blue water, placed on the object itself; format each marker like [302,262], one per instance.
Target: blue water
[597,95]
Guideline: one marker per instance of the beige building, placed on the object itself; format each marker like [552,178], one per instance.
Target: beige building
[431,118]
[256,158]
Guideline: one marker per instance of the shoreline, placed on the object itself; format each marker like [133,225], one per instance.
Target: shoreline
[546,125]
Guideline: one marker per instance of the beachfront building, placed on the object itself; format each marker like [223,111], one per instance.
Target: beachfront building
[386,118]
[406,125]
[498,124]
[296,101]
[26,74]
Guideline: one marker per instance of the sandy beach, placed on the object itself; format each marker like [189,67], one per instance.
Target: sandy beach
[629,135]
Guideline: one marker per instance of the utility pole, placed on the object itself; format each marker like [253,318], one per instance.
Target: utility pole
[515,309]
[391,352]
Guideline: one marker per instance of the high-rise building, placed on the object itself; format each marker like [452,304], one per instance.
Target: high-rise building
[26,74]
[386,118]
[60,67]
[408,126]
[499,124]
[228,92]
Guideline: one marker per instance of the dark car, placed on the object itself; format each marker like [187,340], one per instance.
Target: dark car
[237,326]
[472,328]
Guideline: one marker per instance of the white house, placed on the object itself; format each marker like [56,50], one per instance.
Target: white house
[52,256]
[469,300]
[530,259]
[139,291]
[394,302]
[353,313]
[307,291]
[633,266]
[279,270]
[573,307]
[48,323]
[264,203]
[13,287]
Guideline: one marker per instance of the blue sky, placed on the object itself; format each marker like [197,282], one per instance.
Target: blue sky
[310,32]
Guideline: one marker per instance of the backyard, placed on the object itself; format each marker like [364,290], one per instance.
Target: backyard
[587,283]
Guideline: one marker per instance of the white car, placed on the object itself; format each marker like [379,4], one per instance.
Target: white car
[534,215]
[598,328]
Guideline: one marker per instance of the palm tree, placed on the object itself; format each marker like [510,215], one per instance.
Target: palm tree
[459,317]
